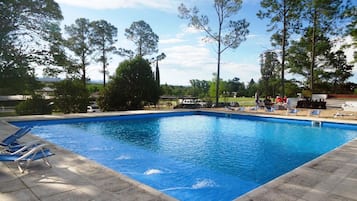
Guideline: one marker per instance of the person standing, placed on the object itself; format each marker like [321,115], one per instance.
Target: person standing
[256,97]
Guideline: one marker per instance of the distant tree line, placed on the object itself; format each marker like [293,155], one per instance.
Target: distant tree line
[205,90]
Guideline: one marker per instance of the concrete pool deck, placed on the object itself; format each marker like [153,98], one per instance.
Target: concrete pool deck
[332,176]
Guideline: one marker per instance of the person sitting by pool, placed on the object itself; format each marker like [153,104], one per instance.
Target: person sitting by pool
[285,99]
[267,102]
[278,100]
[286,103]
[279,103]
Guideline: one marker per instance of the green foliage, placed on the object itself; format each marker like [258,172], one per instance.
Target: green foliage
[35,106]
[229,33]
[341,71]
[144,38]
[236,86]
[213,88]
[299,60]
[285,20]
[199,88]
[251,88]
[330,73]
[103,37]
[178,91]
[71,96]
[92,88]
[270,67]
[351,13]
[23,25]
[132,87]
[79,42]
[322,17]
[60,62]
[292,89]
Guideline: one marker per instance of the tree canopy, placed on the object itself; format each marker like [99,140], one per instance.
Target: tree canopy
[285,20]
[23,41]
[79,42]
[103,37]
[143,37]
[228,33]
[131,87]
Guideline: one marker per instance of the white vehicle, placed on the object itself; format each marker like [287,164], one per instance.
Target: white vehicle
[93,108]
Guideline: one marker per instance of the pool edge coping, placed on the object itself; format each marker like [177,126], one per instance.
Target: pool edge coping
[251,194]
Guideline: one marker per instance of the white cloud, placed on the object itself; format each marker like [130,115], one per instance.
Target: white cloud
[171,41]
[188,56]
[115,4]
[245,72]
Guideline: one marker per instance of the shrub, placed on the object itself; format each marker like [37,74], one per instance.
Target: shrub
[131,87]
[71,96]
[36,105]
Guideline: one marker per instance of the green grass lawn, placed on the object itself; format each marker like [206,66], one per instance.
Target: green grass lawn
[243,101]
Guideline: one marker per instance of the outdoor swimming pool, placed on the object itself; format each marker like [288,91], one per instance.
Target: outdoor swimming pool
[196,155]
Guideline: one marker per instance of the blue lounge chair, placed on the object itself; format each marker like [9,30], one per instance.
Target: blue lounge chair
[11,140]
[269,109]
[27,155]
[292,111]
[241,109]
[315,113]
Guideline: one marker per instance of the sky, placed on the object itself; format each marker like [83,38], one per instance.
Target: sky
[188,56]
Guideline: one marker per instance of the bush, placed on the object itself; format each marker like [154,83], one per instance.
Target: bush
[71,96]
[132,87]
[36,105]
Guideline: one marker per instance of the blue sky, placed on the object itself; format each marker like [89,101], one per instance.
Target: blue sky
[188,56]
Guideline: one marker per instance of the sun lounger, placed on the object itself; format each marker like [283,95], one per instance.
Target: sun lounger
[338,114]
[350,106]
[11,144]
[292,111]
[12,139]
[315,113]
[240,109]
[32,154]
[269,109]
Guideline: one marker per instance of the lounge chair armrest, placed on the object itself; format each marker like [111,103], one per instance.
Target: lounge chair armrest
[32,151]
[24,146]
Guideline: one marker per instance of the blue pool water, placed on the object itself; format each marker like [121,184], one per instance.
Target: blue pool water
[196,157]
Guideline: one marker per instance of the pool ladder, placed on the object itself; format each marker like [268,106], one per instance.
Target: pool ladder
[316,123]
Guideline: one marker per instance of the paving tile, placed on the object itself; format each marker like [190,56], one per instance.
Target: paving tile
[254,193]
[306,179]
[315,195]
[294,190]
[20,195]
[353,174]
[6,175]
[332,197]
[329,183]
[74,195]
[347,188]
[11,186]
[46,189]
[273,195]
[113,184]
[326,165]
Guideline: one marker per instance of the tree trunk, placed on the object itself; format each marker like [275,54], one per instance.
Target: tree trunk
[313,51]
[218,65]
[283,44]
